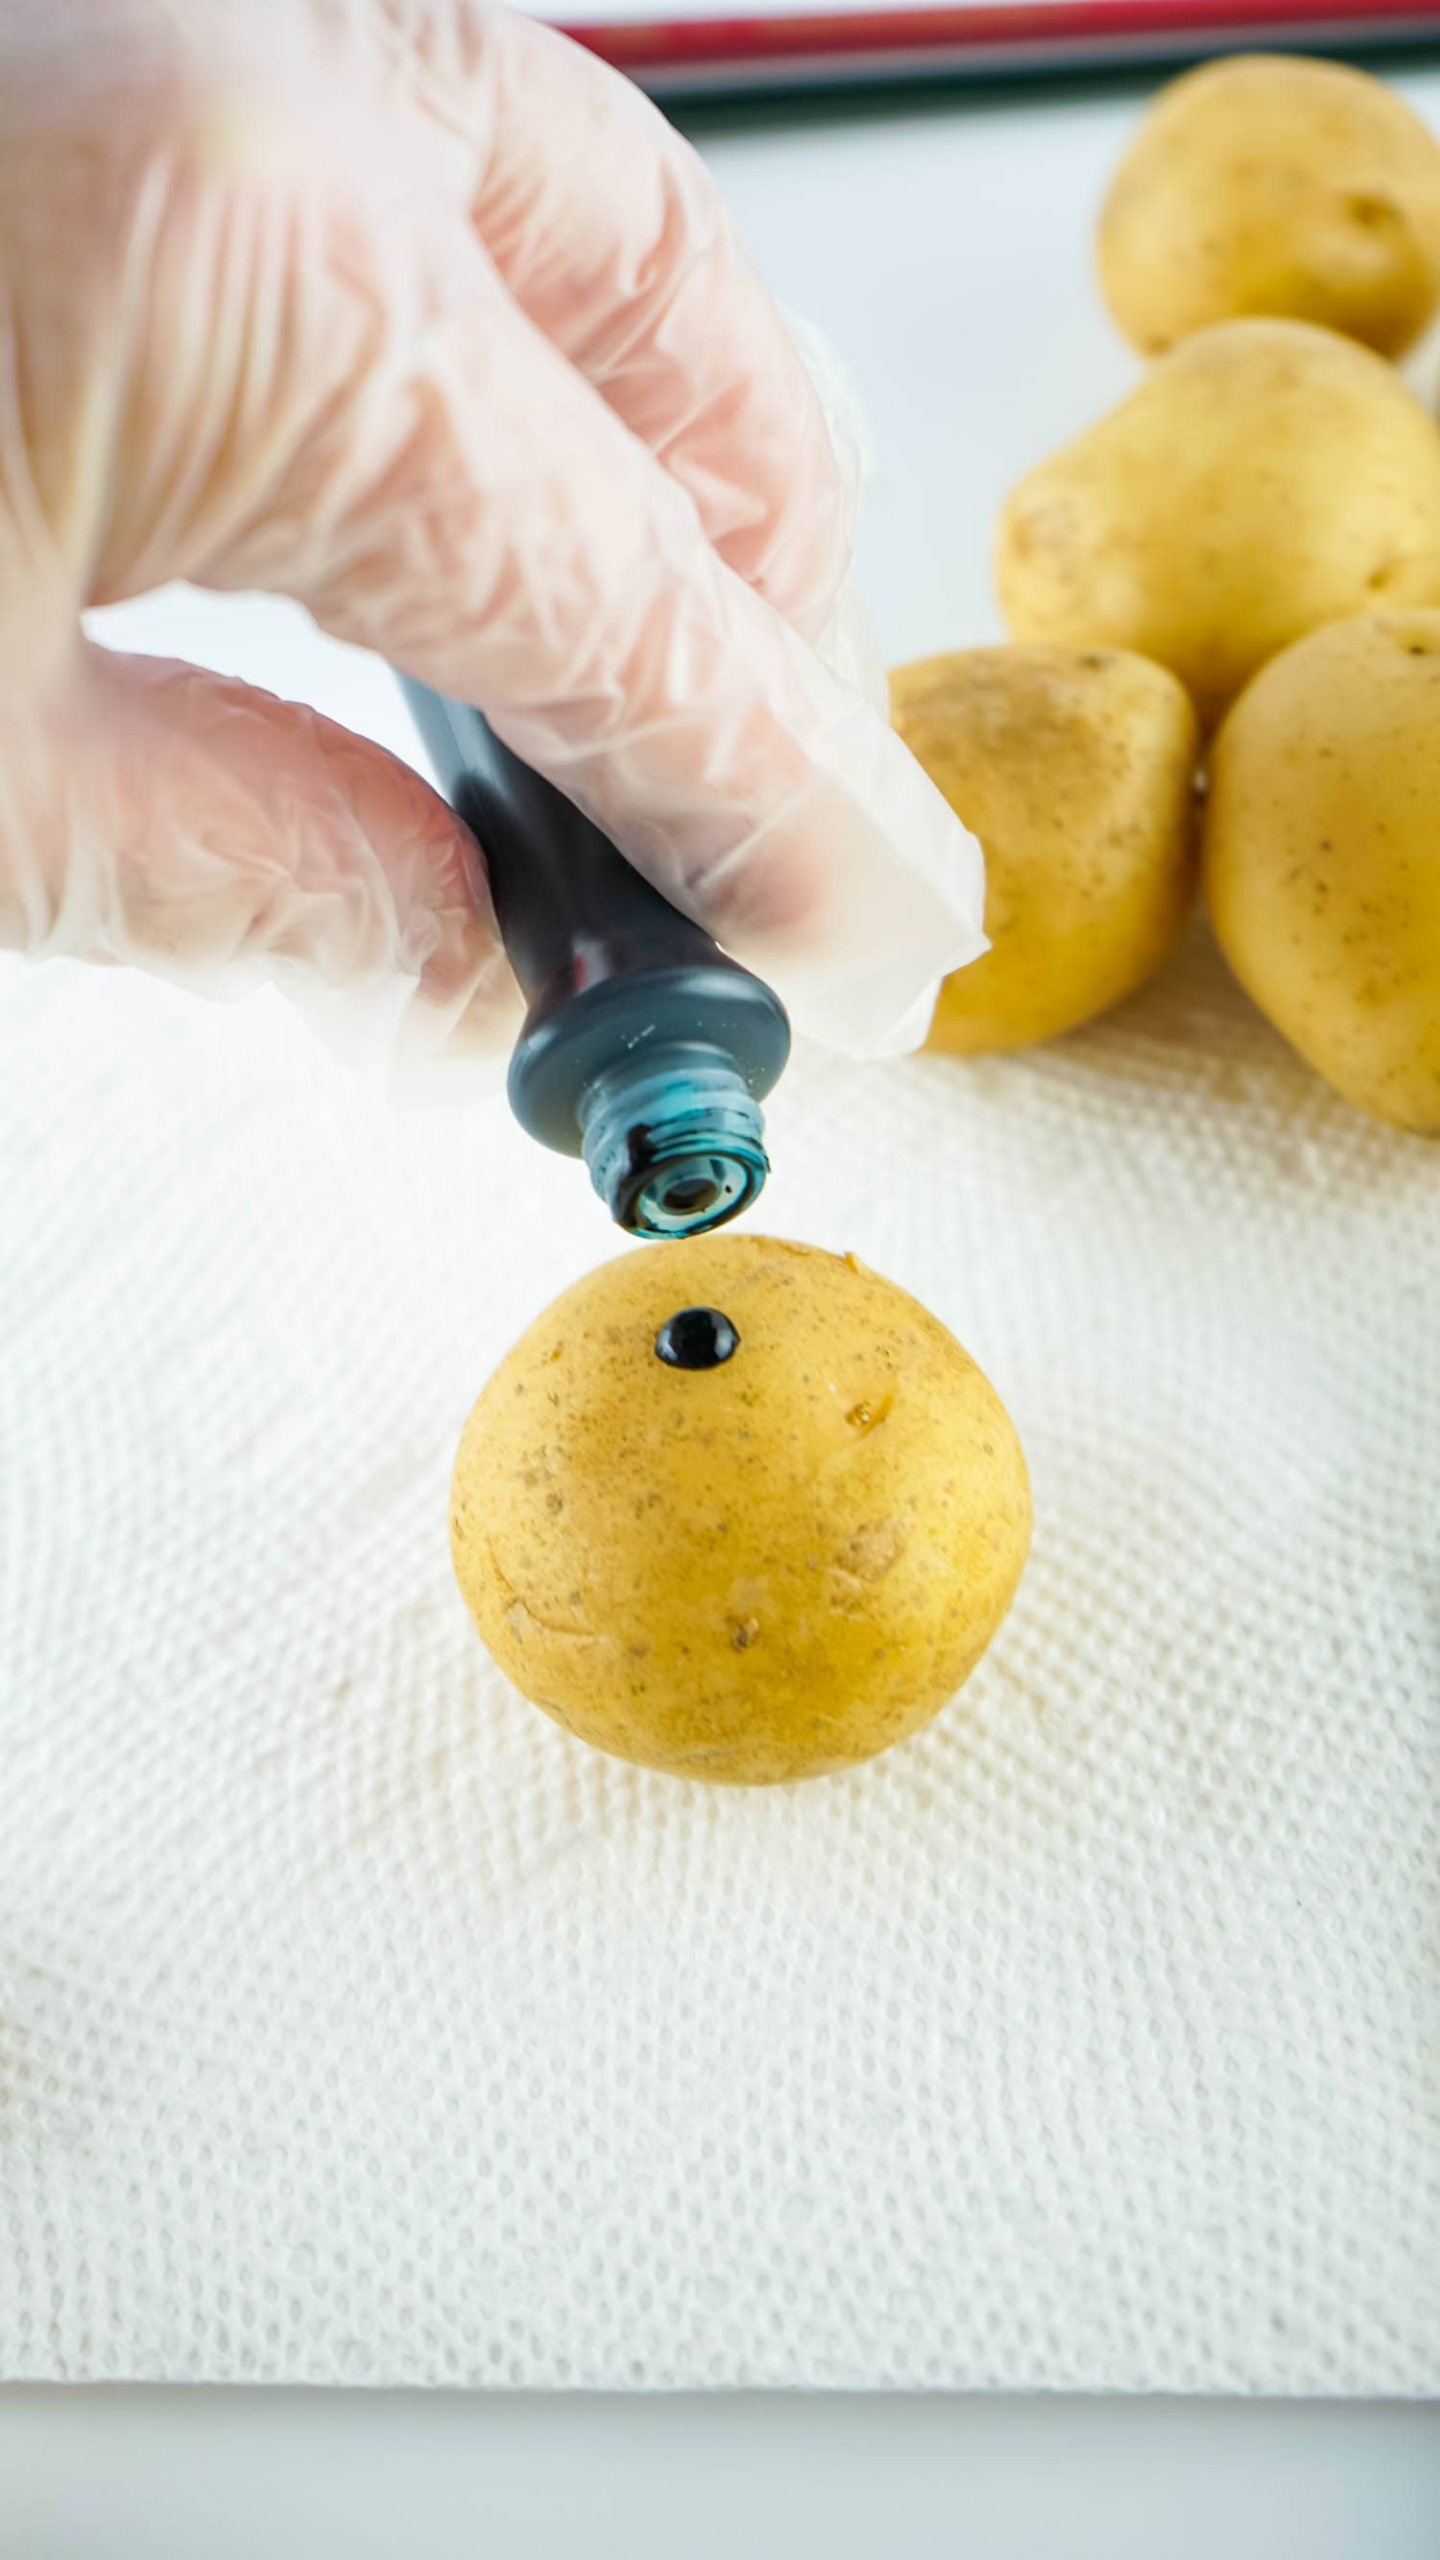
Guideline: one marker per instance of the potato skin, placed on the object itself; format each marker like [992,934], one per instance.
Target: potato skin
[1271,186]
[1322,857]
[1075,768]
[752,1573]
[1264,478]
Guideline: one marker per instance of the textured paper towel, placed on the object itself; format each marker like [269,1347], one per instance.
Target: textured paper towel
[355,2024]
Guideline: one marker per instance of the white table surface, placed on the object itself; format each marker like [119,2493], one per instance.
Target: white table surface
[945,252]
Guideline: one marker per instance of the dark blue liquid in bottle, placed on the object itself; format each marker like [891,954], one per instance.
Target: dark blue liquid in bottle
[645,1050]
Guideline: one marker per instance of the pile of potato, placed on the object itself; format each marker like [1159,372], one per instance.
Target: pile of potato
[1236,575]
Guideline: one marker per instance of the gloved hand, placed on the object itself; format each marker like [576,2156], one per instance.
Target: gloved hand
[411,310]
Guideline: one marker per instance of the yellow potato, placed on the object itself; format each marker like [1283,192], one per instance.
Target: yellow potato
[1270,185]
[1322,857]
[1264,478]
[1074,768]
[752,1571]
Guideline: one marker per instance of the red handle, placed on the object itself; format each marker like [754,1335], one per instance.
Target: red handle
[1055,29]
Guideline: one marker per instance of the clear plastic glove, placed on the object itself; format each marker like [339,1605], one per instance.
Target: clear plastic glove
[412,311]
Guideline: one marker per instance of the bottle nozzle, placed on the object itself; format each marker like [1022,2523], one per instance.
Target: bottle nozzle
[674,1141]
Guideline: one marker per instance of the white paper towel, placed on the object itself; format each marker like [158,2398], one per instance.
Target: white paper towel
[357,2025]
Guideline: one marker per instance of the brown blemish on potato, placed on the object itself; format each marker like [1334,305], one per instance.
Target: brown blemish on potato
[869,1413]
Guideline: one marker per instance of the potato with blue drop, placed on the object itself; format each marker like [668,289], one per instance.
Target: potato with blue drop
[739,1510]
